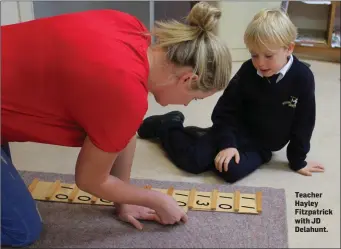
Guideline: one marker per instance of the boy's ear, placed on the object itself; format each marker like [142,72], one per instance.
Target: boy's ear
[291,47]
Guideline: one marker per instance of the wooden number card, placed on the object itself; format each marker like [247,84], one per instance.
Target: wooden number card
[181,196]
[62,192]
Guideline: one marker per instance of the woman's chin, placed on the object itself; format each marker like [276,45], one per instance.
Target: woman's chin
[160,102]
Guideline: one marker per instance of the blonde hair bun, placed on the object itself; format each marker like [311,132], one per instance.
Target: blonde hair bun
[204,16]
[193,44]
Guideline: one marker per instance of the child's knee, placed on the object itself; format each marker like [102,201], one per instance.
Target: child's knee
[191,167]
[231,177]
[235,172]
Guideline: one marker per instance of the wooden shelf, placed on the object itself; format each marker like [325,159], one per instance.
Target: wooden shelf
[318,24]
[318,53]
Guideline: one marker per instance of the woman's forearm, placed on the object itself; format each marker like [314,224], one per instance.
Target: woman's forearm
[122,165]
[93,170]
[120,192]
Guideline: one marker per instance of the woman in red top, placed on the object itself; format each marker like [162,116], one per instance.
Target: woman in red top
[82,80]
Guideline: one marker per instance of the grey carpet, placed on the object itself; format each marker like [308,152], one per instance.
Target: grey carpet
[87,226]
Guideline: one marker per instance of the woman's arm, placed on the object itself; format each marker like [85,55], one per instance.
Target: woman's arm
[93,169]
[93,176]
[122,165]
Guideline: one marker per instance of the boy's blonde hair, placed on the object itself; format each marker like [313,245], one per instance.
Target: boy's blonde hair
[269,29]
[194,44]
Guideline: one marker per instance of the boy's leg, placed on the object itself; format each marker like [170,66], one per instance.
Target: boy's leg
[250,160]
[193,154]
[21,224]
[188,150]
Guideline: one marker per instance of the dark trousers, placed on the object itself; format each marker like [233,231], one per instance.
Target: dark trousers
[21,224]
[195,154]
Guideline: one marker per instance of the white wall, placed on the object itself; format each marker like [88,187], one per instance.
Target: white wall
[26,11]
[9,13]
[234,20]
[15,12]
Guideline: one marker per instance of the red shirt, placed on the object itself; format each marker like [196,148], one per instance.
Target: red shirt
[73,75]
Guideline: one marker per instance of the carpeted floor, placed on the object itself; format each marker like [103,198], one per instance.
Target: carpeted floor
[87,226]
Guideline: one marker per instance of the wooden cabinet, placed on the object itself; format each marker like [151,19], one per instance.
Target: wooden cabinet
[318,24]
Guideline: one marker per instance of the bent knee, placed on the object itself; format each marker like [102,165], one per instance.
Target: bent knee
[191,167]
[23,233]
[27,236]
[196,171]
[235,173]
[33,235]
[230,177]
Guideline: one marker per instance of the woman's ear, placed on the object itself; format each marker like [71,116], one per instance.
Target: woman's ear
[188,78]
[195,77]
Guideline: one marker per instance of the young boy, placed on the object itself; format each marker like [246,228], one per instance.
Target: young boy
[268,103]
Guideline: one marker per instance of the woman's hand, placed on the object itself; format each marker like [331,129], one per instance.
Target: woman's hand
[168,210]
[132,214]
[310,168]
[223,158]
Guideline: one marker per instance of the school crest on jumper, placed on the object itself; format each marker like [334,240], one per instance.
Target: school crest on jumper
[292,102]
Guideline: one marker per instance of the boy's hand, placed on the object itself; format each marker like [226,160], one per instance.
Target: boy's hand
[132,213]
[311,167]
[223,158]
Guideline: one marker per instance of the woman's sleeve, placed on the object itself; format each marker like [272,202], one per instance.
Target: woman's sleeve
[111,111]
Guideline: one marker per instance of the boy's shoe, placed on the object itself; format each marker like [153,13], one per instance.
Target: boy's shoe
[151,126]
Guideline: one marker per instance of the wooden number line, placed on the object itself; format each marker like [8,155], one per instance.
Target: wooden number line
[55,186]
[214,199]
[236,200]
[93,199]
[33,185]
[259,202]
[191,198]
[73,194]
[170,191]
[53,189]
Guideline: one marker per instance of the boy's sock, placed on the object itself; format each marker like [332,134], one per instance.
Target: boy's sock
[153,125]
